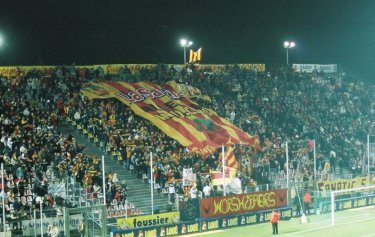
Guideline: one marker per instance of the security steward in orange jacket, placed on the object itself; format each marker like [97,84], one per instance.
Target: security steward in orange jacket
[274,218]
[307,201]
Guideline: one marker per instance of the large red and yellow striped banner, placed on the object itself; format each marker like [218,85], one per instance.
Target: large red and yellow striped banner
[199,129]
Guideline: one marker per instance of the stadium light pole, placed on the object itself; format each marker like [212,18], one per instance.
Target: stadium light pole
[288,45]
[2,41]
[185,44]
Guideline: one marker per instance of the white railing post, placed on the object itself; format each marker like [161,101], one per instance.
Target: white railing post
[152,185]
[223,162]
[3,196]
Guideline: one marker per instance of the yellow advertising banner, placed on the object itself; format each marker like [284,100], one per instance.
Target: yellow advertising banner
[148,220]
[22,70]
[342,184]
[256,66]
[113,69]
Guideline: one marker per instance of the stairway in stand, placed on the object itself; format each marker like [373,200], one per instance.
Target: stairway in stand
[139,192]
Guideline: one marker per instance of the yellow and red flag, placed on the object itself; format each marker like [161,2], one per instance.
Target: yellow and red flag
[217,176]
[229,158]
[195,56]
[197,128]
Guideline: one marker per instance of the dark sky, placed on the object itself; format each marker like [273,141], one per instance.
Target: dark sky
[140,31]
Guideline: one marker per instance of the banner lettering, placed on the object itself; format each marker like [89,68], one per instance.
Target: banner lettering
[148,220]
[342,184]
[236,204]
[310,68]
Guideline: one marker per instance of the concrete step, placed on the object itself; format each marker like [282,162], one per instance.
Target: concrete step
[139,192]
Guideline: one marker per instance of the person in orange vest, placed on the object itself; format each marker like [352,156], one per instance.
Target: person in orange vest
[307,201]
[274,218]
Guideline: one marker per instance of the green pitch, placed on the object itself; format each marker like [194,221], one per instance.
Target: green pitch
[350,223]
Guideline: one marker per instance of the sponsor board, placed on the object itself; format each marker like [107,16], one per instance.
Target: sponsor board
[159,231]
[114,69]
[29,226]
[221,67]
[342,184]
[201,225]
[148,220]
[310,68]
[348,203]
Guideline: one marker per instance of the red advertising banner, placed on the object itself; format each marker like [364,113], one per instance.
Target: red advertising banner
[242,203]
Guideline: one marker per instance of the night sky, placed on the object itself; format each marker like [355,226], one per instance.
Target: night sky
[56,32]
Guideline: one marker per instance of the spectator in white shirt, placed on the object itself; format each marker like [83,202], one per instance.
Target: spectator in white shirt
[207,190]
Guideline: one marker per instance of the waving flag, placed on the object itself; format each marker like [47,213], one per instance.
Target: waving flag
[195,56]
[217,176]
[229,158]
[197,128]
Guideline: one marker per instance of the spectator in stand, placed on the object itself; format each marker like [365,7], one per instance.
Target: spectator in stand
[207,190]
[31,145]
[297,204]
[332,160]
[193,191]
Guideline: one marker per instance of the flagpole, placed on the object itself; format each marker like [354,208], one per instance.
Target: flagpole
[223,162]
[3,196]
[41,216]
[314,161]
[184,55]
[287,168]
[152,185]
[104,183]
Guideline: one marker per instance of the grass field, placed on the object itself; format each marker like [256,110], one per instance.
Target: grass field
[358,222]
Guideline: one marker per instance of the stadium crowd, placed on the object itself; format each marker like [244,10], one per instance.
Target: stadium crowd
[277,105]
